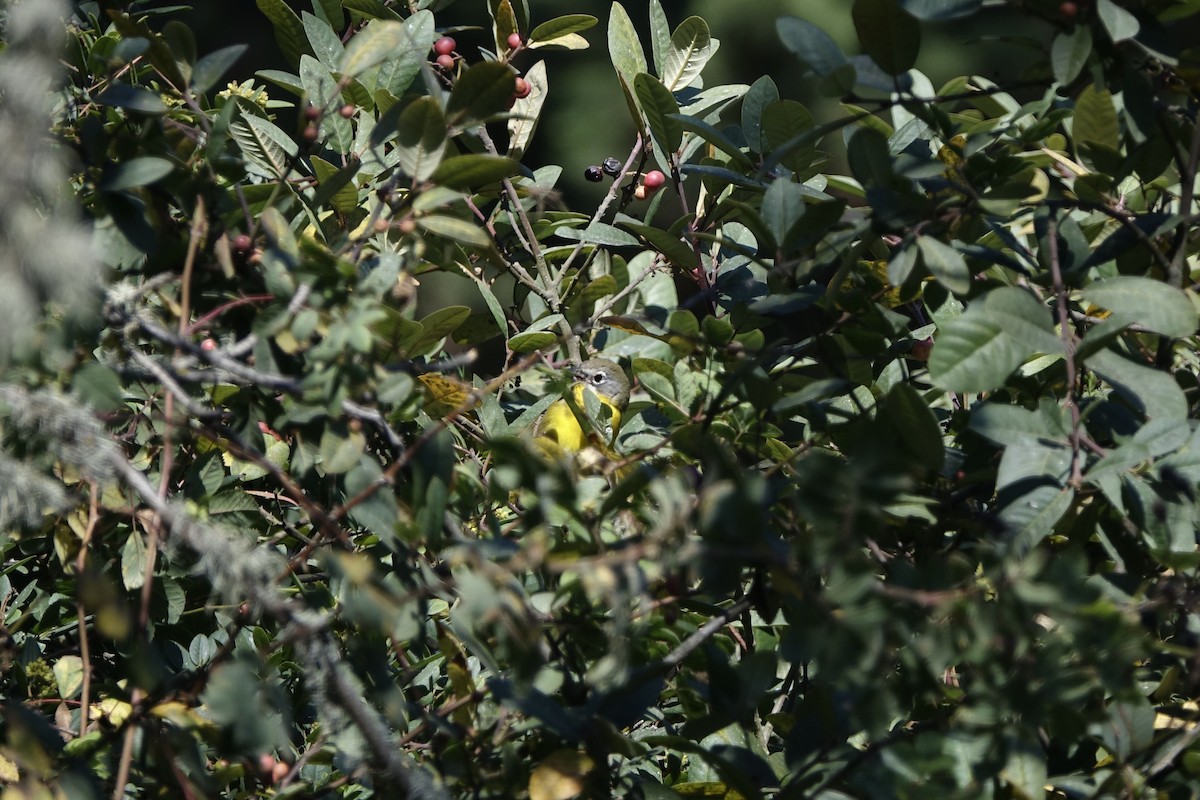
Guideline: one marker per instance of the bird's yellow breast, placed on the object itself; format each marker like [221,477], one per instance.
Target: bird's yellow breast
[561,426]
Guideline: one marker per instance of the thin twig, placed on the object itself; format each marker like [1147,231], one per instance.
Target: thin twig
[1068,337]
[80,566]
[704,633]
[1175,276]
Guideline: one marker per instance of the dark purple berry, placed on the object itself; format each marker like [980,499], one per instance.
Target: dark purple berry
[594,174]
[611,167]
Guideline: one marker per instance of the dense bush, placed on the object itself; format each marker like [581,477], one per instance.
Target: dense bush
[904,504]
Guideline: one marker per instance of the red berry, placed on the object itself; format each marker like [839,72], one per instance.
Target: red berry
[242,243]
[1068,10]
[653,179]
[446,61]
[311,134]
[347,111]
[312,113]
[921,350]
[514,41]
[208,344]
[444,46]
[523,88]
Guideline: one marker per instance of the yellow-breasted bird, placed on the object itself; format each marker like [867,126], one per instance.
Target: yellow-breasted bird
[566,430]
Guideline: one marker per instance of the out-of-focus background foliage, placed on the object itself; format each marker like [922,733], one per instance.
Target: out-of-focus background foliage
[591,111]
[904,502]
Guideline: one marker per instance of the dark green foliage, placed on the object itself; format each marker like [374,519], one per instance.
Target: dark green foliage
[904,504]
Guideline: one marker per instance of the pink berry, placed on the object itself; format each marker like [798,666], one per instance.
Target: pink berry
[346,111]
[208,344]
[242,243]
[446,62]
[445,46]
[514,41]
[523,88]
[653,180]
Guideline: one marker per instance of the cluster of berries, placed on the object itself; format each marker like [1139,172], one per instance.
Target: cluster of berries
[445,58]
[652,181]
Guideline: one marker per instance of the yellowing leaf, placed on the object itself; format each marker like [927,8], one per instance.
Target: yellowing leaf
[559,776]
[443,394]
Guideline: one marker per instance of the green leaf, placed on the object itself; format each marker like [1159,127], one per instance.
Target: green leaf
[321,88]
[335,186]
[455,228]
[811,45]
[916,425]
[668,244]
[132,98]
[715,138]
[870,157]
[1119,23]
[782,122]
[561,26]
[660,35]
[782,207]
[1012,425]
[374,44]
[624,47]
[1032,516]
[264,144]
[331,12]
[946,264]
[480,93]
[524,115]
[1129,728]
[437,326]
[237,699]
[1152,392]
[763,93]
[691,48]
[1070,52]
[289,30]
[326,45]
[1149,303]
[901,263]
[421,138]
[98,386]
[136,172]
[889,35]
[597,233]
[534,340]
[373,9]
[396,74]
[340,450]
[504,22]
[977,351]
[1096,118]
[474,171]
[209,68]
[133,561]
[932,10]
[661,111]
[68,675]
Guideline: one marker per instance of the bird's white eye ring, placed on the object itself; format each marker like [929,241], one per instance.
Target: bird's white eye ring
[597,379]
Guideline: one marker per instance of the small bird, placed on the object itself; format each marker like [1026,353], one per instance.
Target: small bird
[561,430]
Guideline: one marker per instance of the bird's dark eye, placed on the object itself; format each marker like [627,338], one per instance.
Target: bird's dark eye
[597,378]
